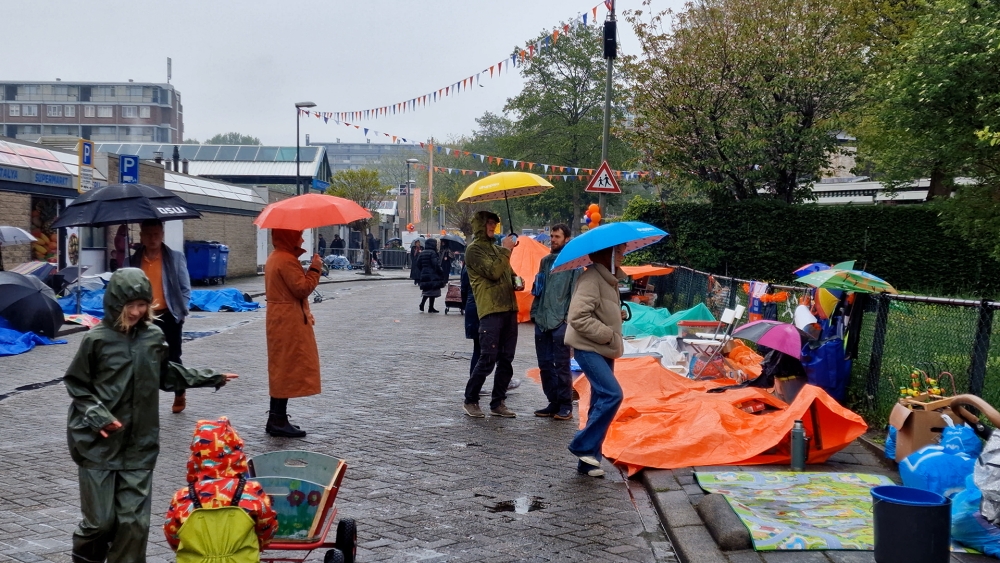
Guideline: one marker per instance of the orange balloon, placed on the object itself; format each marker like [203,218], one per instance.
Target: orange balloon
[444,232]
[595,218]
[594,208]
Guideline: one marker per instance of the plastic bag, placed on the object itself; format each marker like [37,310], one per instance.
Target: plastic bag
[960,439]
[987,476]
[890,444]
[968,527]
[932,468]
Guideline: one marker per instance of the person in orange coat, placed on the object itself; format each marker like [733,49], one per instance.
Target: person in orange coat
[292,355]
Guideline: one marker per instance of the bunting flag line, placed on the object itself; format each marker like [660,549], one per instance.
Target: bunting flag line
[515,59]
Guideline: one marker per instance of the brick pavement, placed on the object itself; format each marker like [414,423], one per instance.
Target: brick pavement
[423,477]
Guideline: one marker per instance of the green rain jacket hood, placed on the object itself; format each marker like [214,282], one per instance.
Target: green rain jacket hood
[490,274]
[115,375]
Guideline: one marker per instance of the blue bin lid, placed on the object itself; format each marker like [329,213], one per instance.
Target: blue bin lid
[907,495]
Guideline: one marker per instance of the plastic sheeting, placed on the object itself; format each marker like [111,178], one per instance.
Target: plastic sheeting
[229,299]
[13,342]
[667,421]
[92,303]
[524,260]
[649,321]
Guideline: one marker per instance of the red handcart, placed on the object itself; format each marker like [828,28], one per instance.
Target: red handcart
[453,298]
[303,488]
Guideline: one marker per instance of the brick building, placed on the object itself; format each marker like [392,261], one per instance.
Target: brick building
[99,111]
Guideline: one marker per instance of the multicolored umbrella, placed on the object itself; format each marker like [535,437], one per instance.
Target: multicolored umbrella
[848,280]
[783,337]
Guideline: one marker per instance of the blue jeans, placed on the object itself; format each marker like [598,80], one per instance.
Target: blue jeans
[605,397]
[553,365]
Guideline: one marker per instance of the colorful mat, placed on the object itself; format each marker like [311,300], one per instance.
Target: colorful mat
[800,511]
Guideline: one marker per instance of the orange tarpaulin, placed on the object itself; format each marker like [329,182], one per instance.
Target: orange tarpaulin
[667,421]
[636,272]
[524,260]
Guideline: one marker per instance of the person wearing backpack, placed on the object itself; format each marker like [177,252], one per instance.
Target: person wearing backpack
[220,513]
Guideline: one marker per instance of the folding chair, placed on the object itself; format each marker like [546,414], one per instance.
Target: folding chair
[730,318]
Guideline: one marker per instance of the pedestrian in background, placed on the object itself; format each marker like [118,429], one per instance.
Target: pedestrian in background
[492,282]
[113,424]
[167,272]
[431,277]
[292,355]
[322,246]
[415,249]
[373,247]
[446,261]
[337,245]
[549,308]
[595,332]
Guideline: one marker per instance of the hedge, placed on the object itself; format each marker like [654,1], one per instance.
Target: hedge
[767,240]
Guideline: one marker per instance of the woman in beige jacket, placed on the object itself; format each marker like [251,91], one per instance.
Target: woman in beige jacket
[594,330]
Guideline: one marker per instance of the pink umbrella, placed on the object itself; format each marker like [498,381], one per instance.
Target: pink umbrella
[783,337]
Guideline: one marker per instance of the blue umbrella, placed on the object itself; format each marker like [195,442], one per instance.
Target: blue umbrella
[633,234]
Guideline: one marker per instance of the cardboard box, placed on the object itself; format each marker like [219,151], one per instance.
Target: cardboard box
[916,428]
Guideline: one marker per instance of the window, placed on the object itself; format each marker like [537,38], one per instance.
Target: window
[53,111]
[129,111]
[29,110]
[103,93]
[104,111]
[92,237]
[15,110]
[144,112]
[69,111]
[134,91]
[88,111]
[60,90]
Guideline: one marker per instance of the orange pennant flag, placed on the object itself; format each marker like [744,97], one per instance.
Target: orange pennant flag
[555,36]
[595,14]
[393,138]
[491,70]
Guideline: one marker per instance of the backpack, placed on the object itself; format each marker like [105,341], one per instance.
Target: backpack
[219,535]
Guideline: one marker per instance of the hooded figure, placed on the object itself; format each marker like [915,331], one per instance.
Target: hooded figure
[292,355]
[113,425]
[216,470]
[429,274]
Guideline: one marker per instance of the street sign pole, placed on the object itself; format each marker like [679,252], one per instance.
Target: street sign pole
[610,52]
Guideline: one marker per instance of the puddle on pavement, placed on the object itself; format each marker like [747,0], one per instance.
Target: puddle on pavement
[188,336]
[520,505]
[30,387]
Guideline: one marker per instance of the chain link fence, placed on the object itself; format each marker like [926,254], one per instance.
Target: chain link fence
[898,333]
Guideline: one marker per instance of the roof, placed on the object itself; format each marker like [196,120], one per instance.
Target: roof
[202,191]
[230,160]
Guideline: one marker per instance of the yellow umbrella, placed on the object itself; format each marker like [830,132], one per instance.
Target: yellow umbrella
[504,185]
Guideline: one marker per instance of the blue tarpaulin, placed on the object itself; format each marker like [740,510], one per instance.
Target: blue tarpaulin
[229,299]
[13,342]
[647,321]
[92,303]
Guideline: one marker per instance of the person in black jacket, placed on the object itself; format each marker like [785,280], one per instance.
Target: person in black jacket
[430,276]
[415,249]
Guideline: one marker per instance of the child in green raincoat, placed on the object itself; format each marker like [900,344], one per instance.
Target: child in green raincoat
[114,421]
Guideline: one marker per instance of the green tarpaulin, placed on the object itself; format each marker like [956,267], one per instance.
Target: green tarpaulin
[647,321]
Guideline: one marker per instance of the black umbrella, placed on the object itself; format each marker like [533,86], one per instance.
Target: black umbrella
[124,203]
[453,242]
[25,304]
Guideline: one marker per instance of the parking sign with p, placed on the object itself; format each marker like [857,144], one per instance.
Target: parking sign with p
[128,169]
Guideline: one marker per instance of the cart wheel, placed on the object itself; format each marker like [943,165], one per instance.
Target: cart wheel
[347,539]
[317,299]
[334,556]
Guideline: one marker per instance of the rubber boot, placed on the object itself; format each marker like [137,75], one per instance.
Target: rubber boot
[279,427]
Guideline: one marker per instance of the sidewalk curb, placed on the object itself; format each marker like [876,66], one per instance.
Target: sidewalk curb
[689,534]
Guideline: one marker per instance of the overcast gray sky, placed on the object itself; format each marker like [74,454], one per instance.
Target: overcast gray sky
[242,65]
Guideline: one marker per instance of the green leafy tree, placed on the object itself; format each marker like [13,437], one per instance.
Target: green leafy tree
[743,97]
[233,139]
[365,188]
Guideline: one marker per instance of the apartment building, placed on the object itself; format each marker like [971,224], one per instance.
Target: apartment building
[100,111]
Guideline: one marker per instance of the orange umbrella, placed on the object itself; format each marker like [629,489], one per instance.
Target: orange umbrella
[308,211]
[638,272]
[524,260]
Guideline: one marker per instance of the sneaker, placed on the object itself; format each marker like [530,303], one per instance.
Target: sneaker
[547,411]
[473,410]
[514,384]
[565,413]
[503,411]
[589,470]
[590,460]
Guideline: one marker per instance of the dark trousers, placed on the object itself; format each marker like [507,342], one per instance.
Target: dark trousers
[553,365]
[476,352]
[172,332]
[497,342]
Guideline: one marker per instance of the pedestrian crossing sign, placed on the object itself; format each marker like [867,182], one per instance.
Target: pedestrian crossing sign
[603,181]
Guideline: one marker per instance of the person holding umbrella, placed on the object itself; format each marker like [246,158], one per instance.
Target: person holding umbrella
[168,273]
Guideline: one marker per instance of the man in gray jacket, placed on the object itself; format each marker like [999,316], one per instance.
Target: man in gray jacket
[552,294]
[168,273]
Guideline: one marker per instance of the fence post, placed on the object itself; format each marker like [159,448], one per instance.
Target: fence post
[878,345]
[980,349]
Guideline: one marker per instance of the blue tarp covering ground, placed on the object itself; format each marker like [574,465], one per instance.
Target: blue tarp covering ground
[647,321]
[13,342]
[229,299]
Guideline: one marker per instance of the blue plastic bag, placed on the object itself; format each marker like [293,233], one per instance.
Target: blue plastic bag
[968,527]
[934,469]
[827,368]
[890,444]
[960,439]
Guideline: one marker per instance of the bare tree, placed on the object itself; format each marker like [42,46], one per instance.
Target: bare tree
[365,188]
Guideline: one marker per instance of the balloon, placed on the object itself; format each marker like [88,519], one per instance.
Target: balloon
[444,232]
[596,218]
[594,208]
[587,220]
[587,214]
[409,227]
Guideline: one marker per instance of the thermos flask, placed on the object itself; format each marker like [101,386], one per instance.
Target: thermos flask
[798,446]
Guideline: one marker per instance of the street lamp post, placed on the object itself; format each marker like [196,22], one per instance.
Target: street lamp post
[409,189]
[298,113]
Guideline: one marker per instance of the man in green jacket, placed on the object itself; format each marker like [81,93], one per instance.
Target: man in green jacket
[114,419]
[548,311]
[491,278]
